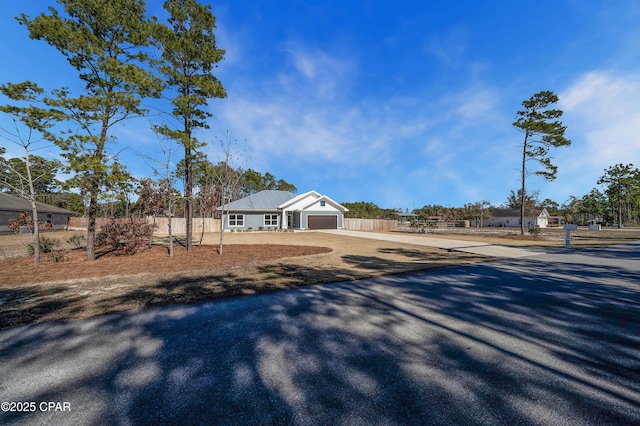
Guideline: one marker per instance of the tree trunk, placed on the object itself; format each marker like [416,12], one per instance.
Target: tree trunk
[522,193]
[170,235]
[221,230]
[619,205]
[221,225]
[91,225]
[94,190]
[36,232]
[34,210]
[202,231]
[152,230]
[188,194]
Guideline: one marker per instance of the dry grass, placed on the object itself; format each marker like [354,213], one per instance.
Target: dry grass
[549,237]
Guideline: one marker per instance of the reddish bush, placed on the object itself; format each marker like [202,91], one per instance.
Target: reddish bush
[24,219]
[127,236]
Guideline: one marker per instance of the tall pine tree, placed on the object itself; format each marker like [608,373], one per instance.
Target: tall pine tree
[189,56]
[105,41]
[542,131]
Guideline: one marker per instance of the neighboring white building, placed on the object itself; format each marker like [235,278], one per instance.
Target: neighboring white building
[510,218]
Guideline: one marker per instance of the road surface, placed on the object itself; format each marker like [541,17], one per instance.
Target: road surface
[551,339]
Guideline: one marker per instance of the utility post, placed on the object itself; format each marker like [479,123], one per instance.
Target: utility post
[567,229]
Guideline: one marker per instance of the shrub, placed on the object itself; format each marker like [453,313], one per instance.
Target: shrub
[128,236]
[432,226]
[47,245]
[59,255]
[418,226]
[76,241]
[25,219]
[535,231]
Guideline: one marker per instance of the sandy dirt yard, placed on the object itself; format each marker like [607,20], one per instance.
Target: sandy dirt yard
[74,287]
[66,285]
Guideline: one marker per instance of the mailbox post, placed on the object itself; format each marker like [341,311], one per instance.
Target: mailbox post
[567,229]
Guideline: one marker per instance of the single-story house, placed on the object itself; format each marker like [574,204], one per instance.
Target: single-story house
[510,218]
[283,210]
[11,207]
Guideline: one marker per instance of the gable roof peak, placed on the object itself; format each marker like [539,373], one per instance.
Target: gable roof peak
[268,199]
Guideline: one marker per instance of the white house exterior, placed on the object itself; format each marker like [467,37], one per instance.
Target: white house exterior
[272,209]
[510,218]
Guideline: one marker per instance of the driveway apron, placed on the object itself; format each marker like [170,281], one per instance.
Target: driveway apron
[474,247]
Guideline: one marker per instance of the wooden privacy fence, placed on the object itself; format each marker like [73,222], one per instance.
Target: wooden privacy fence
[81,223]
[424,225]
[178,224]
[445,224]
[351,224]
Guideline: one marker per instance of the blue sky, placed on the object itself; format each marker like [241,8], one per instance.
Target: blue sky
[400,103]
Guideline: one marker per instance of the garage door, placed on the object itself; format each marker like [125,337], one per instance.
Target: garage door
[323,222]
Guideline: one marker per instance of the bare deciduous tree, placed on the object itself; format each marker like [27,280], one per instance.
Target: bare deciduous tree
[227,178]
[31,127]
[162,196]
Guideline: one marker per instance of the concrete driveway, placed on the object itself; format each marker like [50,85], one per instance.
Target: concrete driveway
[546,340]
[474,247]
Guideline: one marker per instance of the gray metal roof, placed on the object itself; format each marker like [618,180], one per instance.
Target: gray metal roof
[17,204]
[263,200]
[505,212]
[511,212]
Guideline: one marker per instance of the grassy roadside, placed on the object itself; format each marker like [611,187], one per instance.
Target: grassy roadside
[548,237]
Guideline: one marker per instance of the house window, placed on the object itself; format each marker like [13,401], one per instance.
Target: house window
[270,220]
[236,220]
[323,203]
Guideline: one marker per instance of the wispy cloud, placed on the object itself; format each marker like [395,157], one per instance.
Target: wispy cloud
[476,104]
[369,131]
[604,106]
[450,47]
[313,73]
[301,115]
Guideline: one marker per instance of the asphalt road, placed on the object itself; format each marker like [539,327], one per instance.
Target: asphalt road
[551,339]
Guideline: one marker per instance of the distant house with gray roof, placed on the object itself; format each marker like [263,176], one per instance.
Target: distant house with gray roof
[284,210]
[11,207]
[510,218]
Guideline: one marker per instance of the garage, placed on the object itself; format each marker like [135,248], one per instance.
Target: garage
[322,222]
